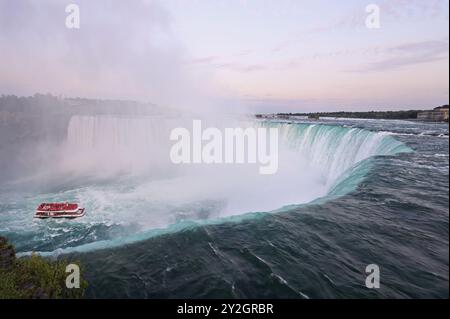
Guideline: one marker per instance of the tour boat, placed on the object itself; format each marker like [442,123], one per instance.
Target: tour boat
[59,210]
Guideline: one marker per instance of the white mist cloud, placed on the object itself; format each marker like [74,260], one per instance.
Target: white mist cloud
[123,49]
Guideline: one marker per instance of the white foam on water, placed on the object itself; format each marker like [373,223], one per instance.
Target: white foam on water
[147,193]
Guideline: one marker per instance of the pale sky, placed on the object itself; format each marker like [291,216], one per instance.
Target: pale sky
[257,55]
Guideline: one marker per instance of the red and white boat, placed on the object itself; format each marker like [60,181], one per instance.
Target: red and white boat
[59,210]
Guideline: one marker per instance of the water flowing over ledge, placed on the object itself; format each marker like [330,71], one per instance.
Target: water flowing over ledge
[317,162]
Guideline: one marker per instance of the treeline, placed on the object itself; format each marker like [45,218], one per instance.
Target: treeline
[388,115]
[49,104]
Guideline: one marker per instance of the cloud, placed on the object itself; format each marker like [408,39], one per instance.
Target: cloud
[391,11]
[269,103]
[123,49]
[218,62]
[397,62]
[433,46]
[241,67]
[202,60]
[228,62]
[408,54]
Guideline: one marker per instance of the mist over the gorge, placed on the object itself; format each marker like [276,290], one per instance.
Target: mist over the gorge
[124,62]
[121,51]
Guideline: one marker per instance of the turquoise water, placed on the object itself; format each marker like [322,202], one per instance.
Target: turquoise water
[375,195]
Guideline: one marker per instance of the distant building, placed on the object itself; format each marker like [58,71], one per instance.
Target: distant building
[439,114]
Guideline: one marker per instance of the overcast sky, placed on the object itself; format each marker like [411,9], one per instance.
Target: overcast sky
[263,55]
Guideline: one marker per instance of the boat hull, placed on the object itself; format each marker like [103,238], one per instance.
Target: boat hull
[61,215]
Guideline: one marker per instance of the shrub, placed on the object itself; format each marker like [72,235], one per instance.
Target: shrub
[34,276]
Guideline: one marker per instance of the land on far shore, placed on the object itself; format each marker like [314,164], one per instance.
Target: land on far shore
[387,115]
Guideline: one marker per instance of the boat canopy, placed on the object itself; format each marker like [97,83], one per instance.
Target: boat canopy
[55,207]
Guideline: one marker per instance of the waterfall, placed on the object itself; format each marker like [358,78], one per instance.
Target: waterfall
[139,144]
[118,144]
[316,162]
[336,149]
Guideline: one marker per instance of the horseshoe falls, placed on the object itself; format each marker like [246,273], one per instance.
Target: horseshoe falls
[348,193]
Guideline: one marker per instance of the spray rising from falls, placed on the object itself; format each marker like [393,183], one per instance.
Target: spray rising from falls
[148,192]
[336,149]
[135,144]
[110,145]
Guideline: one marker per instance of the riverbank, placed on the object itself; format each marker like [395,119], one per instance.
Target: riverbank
[419,115]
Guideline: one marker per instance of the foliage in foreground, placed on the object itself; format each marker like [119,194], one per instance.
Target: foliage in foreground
[33,277]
